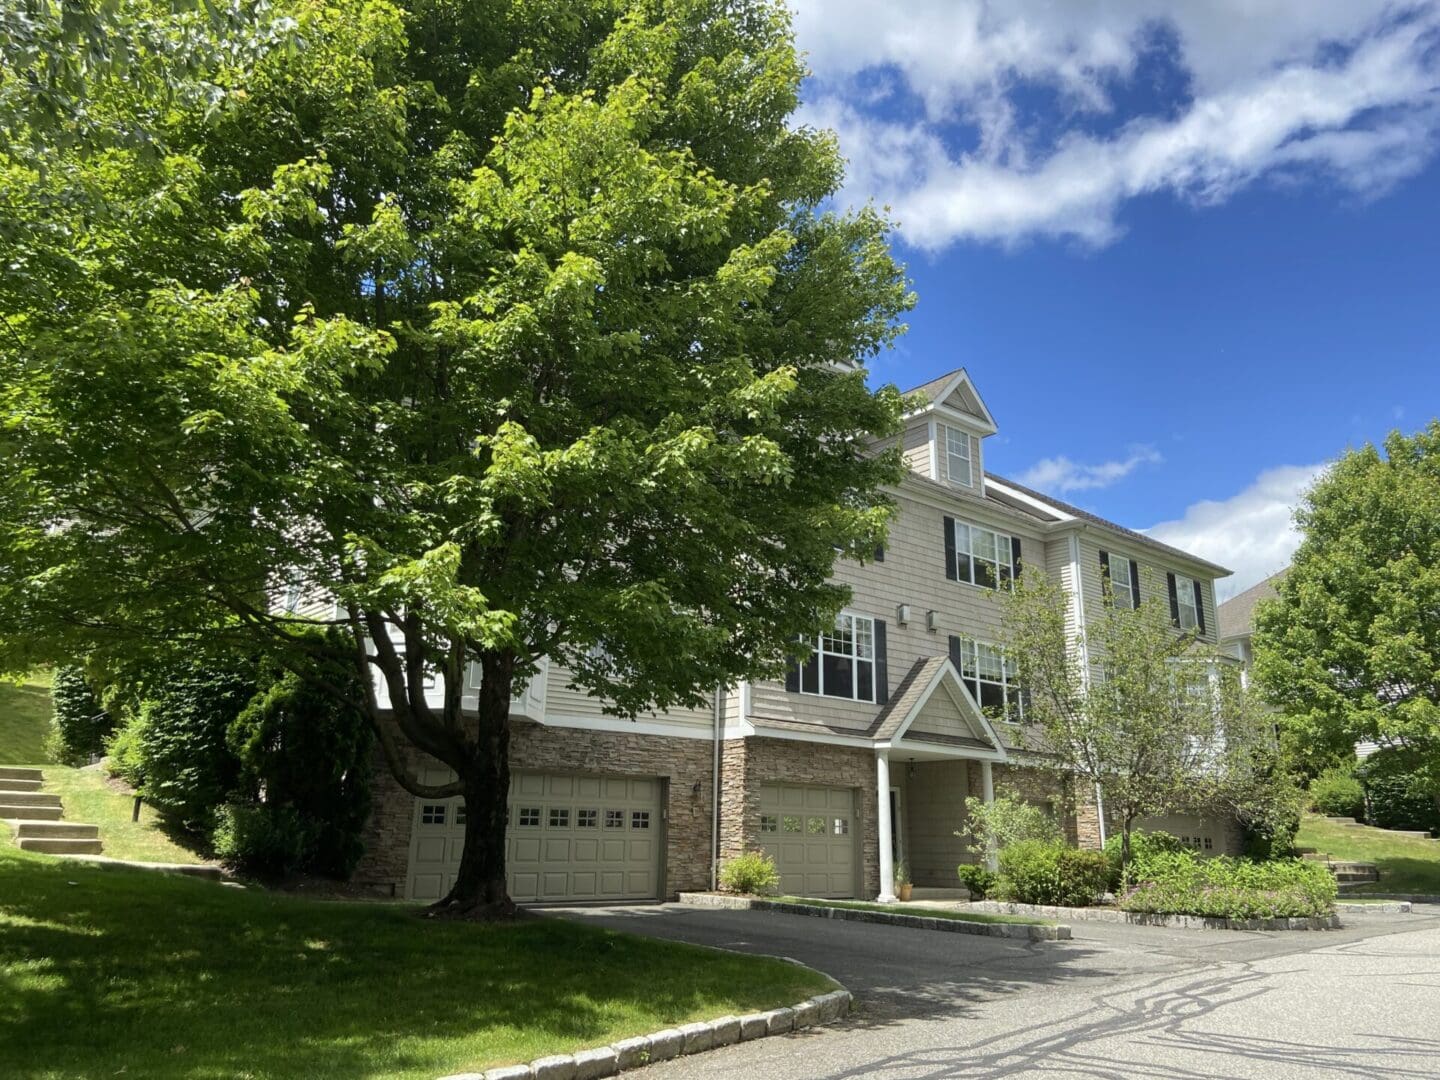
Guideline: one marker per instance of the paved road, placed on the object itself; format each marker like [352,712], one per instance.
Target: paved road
[1117,1001]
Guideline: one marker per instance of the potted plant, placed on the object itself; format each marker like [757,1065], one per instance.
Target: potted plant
[902,881]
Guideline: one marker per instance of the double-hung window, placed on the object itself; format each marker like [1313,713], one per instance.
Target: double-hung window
[843,663]
[1120,579]
[959,467]
[981,556]
[1186,593]
[992,678]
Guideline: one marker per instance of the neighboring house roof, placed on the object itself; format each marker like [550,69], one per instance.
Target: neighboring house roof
[1067,511]
[1237,615]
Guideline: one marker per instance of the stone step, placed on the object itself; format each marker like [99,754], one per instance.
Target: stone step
[29,813]
[29,798]
[19,785]
[1342,820]
[59,845]
[1355,878]
[11,772]
[68,830]
[1419,834]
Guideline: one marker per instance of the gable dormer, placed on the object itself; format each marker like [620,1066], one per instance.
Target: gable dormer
[945,424]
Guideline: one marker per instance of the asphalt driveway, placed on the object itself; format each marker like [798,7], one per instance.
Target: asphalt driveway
[1117,1001]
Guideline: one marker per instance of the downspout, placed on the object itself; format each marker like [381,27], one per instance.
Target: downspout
[715,790]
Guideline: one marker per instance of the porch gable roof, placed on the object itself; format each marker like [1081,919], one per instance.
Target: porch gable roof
[928,676]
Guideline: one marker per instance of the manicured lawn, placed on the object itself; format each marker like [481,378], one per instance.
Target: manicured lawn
[112,972]
[24,720]
[1407,864]
[918,909]
[88,798]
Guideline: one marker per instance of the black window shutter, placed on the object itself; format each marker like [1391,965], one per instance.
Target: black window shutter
[1174,599]
[1015,555]
[1199,608]
[1105,572]
[950,549]
[882,668]
[955,652]
[792,677]
[1135,584]
[879,552]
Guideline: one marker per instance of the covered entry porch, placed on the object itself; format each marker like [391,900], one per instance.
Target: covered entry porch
[933,749]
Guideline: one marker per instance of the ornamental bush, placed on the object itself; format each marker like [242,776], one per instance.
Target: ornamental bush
[1143,847]
[1181,883]
[1393,798]
[1051,872]
[1337,793]
[81,725]
[752,873]
[980,880]
[271,841]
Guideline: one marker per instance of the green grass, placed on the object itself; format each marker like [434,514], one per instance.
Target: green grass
[25,720]
[1407,864]
[88,798]
[110,971]
[918,909]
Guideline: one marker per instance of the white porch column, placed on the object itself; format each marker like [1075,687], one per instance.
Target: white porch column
[987,792]
[887,851]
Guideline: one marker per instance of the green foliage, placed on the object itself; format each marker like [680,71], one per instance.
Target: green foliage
[1337,793]
[980,880]
[1349,648]
[519,318]
[1161,723]
[1395,796]
[1144,847]
[81,725]
[752,873]
[902,873]
[1007,820]
[1040,872]
[305,761]
[1182,883]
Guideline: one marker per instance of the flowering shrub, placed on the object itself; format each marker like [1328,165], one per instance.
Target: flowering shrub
[1179,883]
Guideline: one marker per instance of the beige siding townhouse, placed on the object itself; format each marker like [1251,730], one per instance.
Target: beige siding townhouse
[862,757]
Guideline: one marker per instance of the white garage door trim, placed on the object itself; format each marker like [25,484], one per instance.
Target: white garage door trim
[812,833]
[571,838]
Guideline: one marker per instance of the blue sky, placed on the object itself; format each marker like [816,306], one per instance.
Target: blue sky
[1187,260]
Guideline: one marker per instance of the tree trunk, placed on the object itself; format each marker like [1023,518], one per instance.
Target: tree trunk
[480,891]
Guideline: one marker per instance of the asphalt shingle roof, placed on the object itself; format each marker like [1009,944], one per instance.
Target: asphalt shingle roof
[1237,615]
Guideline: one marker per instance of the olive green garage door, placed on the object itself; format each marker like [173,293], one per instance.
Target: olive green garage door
[811,834]
[570,838]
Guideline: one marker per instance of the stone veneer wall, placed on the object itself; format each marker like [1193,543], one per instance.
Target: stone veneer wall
[747,763]
[684,763]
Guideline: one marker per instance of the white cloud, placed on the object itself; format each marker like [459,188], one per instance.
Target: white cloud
[1250,532]
[1061,475]
[1277,90]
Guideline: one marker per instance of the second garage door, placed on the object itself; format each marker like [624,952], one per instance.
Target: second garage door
[810,832]
[570,838]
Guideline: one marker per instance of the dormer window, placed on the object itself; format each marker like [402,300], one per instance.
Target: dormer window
[959,468]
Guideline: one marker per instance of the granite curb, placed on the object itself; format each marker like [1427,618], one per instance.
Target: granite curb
[670,1043]
[1381,907]
[1143,918]
[1025,932]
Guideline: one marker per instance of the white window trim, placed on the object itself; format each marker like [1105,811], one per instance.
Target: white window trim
[1185,601]
[1008,670]
[1130,590]
[946,432]
[855,660]
[1009,546]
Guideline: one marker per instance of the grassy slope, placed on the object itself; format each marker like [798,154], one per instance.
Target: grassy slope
[1407,864]
[107,970]
[24,720]
[86,797]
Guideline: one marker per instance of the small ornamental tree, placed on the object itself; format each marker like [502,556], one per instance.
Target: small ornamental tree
[518,329]
[1349,650]
[1153,719]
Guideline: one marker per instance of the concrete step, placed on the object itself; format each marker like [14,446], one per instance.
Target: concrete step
[67,830]
[1419,834]
[29,813]
[29,798]
[19,785]
[1342,820]
[59,845]
[11,772]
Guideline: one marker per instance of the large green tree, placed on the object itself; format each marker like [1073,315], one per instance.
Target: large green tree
[519,327]
[1349,650]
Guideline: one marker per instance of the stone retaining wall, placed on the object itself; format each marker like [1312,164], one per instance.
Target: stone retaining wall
[1140,918]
